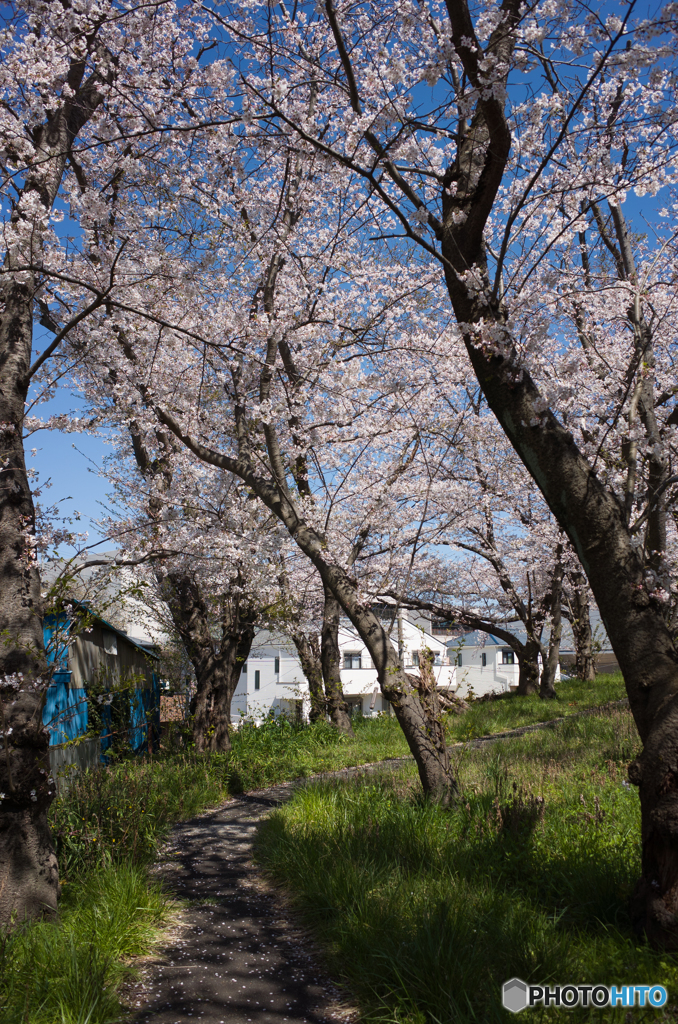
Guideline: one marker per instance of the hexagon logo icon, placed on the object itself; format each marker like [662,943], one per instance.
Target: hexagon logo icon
[514,995]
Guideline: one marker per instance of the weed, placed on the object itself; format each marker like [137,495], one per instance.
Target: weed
[68,970]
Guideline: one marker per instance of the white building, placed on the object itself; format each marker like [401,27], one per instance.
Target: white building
[273,680]
[484,664]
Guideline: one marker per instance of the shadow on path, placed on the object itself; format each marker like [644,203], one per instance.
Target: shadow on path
[235,957]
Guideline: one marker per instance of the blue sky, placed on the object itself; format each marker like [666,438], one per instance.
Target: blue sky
[71,462]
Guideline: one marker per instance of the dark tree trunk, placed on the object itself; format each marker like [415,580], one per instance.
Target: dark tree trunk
[547,689]
[331,665]
[528,677]
[579,614]
[233,654]
[28,868]
[217,671]
[428,693]
[414,715]
[308,650]
[589,513]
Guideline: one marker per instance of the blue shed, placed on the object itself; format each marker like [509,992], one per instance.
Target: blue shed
[98,670]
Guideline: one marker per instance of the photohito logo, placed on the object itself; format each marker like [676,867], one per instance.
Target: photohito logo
[517,995]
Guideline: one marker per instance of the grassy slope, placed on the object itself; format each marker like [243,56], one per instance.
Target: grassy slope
[426,912]
[510,711]
[107,830]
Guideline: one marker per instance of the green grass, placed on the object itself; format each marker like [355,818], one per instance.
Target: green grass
[69,972]
[278,750]
[425,912]
[509,711]
[108,827]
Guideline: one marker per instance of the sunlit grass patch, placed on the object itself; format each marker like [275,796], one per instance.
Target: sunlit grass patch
[108,826]
[425,912]
[509,711]
[69,971]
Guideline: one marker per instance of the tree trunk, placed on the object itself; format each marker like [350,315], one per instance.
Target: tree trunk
[590,514]
[428,692]
[308,650]
[331,665]
[580,620]
[217,672]
[28,868]
[415,716]
[593,519]
[232,656]
[547,689]
[528,678]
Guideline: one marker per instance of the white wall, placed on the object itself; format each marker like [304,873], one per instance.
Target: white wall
[493,676]
[281,691]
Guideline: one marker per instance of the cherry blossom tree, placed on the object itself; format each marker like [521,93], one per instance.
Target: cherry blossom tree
[533,112]
[79,81]
[276,360]
[209,556]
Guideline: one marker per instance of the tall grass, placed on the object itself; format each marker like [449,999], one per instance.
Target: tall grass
[121,812]
[69,973]
[425,912]
[107,828]
[279,750]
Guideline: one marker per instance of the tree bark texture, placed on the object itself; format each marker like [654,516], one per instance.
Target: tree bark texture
[331,665]
[217,668]
[28,869]
[528,675]
[308,650]
[579,615]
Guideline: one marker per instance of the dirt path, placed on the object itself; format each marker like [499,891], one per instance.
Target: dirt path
[235,957]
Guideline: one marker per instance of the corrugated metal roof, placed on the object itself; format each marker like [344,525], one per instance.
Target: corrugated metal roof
[114,629]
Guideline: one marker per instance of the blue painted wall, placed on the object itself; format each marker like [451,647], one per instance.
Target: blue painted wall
[65,711]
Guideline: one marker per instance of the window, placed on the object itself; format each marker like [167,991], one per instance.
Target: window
[484,659]
[352,661]
[508,658]
[417,658]
[459,659]
[110,642]
[244,669]
[276,666]
[257,679]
